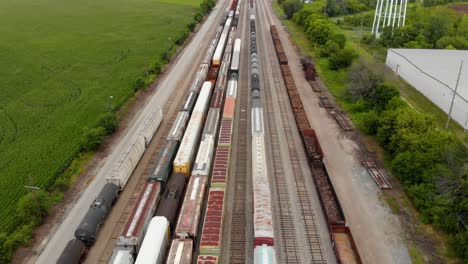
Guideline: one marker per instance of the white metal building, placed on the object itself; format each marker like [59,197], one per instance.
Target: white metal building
[435,73]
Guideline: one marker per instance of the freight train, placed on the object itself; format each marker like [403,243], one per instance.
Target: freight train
[161,187]
[264,241]
[342,239]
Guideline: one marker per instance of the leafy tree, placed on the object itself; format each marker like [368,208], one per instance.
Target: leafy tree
[459,243]
[354,6]
[319,31]
[290,7]
[339,39]
[342,59]
[455,42]
[363,77]
[92,138]
[370,122]
[384,92]
[330,48]
[335,8]
[109,122]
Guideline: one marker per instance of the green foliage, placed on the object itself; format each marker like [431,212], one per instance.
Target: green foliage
[290,7]
[339,39]
[342,59]
[384,92]
[319,31]
[459,243]
[330,48]
[109,122]
[369,122]
[363,77]
[92,138]
[335,8]
[33,207]
[438,27]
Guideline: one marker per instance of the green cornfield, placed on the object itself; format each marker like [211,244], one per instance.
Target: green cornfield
[60,62]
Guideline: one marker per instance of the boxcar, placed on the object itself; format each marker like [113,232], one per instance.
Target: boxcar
[188,147]
[203,101]
[154,246]
[180,252]
[163,165]
[178,128]
[189,217]
[190,102]
[264,255]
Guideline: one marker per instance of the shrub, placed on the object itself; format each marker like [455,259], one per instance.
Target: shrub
[33,206]
[109,122]
[369,122]
[92,138]
[363,77]
[339,39]
[330,48]
[342,59]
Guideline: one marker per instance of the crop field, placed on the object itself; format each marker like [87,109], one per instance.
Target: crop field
[60,61]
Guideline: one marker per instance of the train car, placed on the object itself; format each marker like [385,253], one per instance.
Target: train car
[217,57]
[212,122]
[178,128]
[97,213]
[154,246]
[232,86]
[225,134]
[211,49]
[236,56]
[207,259]
[190,102]
[219,176]
[180,252]
[188,146]
[163,165]
[257,121]
[264,255]
[263,219]
[203,101]
[313,149]
[202,165]
[73,253]
[217,98]
[200,77]
[229,107]
[132,235]
[172,198]
[129,158]
[211,236]
[344,246]
[189,216]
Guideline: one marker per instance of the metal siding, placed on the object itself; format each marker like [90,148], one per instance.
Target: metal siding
[185,155]
[202,165]
[203,99]
[153,248]
[189,217]
[178,128]
[212,122]
[163,165]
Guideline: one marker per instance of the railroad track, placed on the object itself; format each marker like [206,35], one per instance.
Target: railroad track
[288,236]
[237,246]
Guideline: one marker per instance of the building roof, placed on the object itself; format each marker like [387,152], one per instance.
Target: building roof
[441,64]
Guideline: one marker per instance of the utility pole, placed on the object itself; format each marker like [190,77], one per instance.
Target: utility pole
[454,94]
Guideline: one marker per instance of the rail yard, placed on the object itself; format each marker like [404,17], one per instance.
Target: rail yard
[228,168]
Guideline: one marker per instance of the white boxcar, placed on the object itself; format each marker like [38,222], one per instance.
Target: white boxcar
[203,101]
[154,247]
[264,255]
[180,252]
[129,158]
[200,77]
[257,121]
[236,56]
[222,42]
[188,146]
[178,128]
[232,88]
[189,217]
[263,221]
[202,165]
[127,162]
